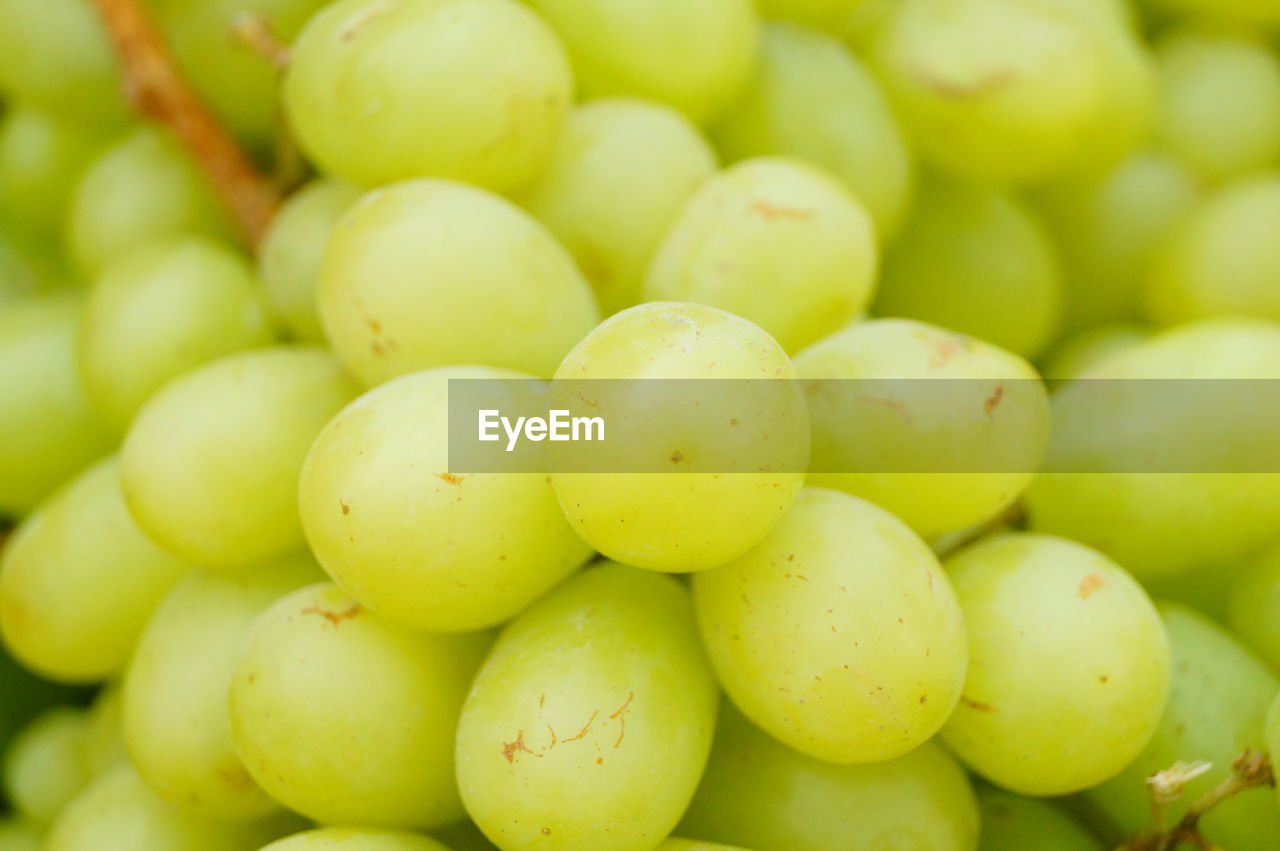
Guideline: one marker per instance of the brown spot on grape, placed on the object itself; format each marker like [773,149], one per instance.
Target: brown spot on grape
[451,478]
[346,509]
[510,749]
[976,704]
[677,457]
[1089,584]
[1103,678]
[621,714]
[334,618]
[546,831]
[773,212]
[924,698]
[585,728]
[993,401]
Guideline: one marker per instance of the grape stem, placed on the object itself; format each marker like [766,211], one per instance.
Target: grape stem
[1250,770]
[158,91]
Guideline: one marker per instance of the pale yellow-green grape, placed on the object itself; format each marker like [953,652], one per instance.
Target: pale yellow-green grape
[1253,608]
[590,722]
[1165,524]
[18,834]
[1009,90]
[79,580]
[419,543]
[976,261]
[433,273]
[141,188]
[1106,229]
[813,99]
[1219,105]
[160,310]
[57,57]
[1223,258]
[1252,13]
[104,739]
[1075,356]
[775,241]
[619,174]
[41,157]
[345,717]
[48,429]
[117,812]
[1069,664]
[824,14]
[696,516]
[1218,699]
[695,56]
[838,634]
[761,795]
[237,81]
[292,251]
[46,764]
[383,90]
[175,692]
[877,431]
[355,839]
[210,465]
[1016,823]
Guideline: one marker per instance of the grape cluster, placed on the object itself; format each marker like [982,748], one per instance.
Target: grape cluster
[247,603]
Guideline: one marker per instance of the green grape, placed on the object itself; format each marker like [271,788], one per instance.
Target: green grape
[762,795]
[1069,664]
[17,834]
[80,580]
[117,812]
[1107,228]
[824,14]
[160,310]
[377,494]
[1223,258]
[48,429]
[432,273]
[775,241]
[345,717]
[46,765]
[292,251]
[976,261]
[210,465]
[1076,356]
[175,720]
[474,90]
[1163,525]
[610,149]
[692,520]
[1253,608]
[1218,699]
[695,56]
[590,722]
[355,839]
[838,634]
[104,738]
[813,99]
[1012,90]
[868,434]
[1014,823]
[57,57]
[1219,107]
[41,157]
[141,188]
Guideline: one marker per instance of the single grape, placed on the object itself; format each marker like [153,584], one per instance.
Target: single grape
[881,433]
[46,765]
[759,794]
[590,722]
[210,465]
[813,99]
[80,580]
[160,310]
[838,634]
[976,261]
[418,543]
[695,56]
[48,429]
[1069,665]
[1015,822]
[355,839]
[41,158]
[347,718]
[142,187]
[618,148]
[292,252]
[696,516]
[474,90]
[1253,609]
[1218,699]
[775,241]
[431,273]
[175,691]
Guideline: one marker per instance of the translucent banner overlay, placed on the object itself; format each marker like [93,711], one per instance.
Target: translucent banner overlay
[727,426]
